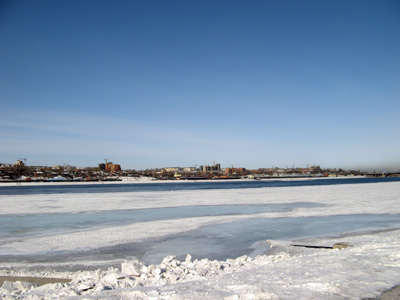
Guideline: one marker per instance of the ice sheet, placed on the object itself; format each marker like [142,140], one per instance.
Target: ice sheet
[29,225]
[362,271]
[350,198]
[377,198]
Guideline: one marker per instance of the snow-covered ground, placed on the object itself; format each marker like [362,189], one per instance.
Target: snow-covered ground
[371,266]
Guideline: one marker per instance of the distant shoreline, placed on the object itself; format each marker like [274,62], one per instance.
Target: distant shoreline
[142,180]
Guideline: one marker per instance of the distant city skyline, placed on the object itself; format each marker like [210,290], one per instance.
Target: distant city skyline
[207,167]
[152,84]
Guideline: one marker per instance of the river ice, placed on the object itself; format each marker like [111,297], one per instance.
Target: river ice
[364,270]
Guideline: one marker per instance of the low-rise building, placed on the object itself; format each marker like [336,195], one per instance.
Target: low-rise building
[172,169]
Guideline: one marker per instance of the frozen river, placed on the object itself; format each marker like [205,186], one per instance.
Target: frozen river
[217,220]
[29,225]
[247,237]
[73,231]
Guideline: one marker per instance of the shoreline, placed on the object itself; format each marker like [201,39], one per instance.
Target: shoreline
[390,294]
[145,180]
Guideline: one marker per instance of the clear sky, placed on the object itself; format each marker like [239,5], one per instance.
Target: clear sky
[183,83]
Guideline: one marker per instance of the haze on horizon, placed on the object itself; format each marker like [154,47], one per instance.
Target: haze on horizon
[177,83]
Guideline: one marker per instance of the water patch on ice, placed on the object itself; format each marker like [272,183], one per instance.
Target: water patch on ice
[218,241]
[230,240]
[14,226]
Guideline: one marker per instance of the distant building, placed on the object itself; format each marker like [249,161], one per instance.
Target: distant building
[109,167]
[19,163]
[172,169]
[116,167]
[235,170]
[214,168]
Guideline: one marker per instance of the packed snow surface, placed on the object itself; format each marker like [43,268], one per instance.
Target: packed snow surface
[364,270]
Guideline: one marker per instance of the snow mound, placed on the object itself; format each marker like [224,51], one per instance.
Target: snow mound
[362,271]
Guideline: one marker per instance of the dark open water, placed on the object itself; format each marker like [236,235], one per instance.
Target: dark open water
[180,185]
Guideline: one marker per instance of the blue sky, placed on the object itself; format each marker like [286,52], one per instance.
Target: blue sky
[178,83]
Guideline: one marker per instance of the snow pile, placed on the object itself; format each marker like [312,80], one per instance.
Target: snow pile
[18,286]
[365,270]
